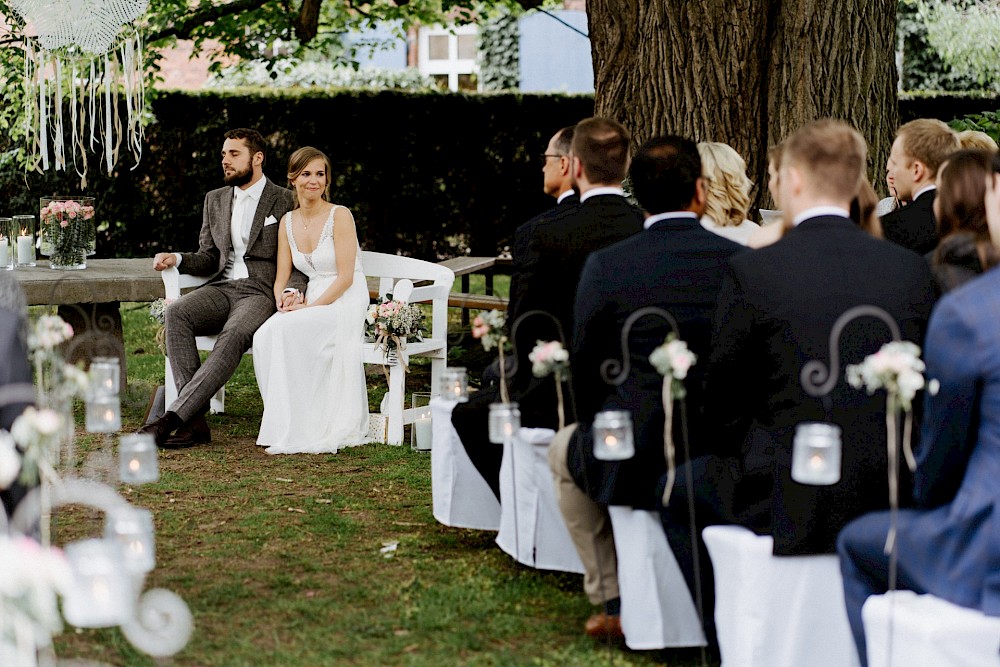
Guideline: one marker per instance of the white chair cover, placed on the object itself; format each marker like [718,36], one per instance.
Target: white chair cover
[657,611]
[928,632]
[462,498]
[533,530]
[777,611]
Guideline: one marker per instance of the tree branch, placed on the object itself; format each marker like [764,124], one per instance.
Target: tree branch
[194,20]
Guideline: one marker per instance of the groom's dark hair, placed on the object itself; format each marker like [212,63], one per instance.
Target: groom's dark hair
[253,140]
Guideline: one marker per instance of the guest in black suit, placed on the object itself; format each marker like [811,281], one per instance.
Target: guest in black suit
[536,397]
[919,149]
[554,255]
[675,264]
[16,389]
[776,309]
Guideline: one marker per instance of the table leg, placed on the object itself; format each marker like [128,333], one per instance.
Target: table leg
[465,290]
[97,332]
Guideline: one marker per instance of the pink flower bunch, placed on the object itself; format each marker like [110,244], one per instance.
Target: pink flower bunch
[487,328]
[62,212]
[547,358]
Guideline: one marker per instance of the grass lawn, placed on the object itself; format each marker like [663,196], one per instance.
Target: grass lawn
[279,557]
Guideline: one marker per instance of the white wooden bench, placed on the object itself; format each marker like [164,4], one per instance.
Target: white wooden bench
[385,270]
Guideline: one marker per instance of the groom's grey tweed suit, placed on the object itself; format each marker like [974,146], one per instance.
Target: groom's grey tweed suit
[230,309]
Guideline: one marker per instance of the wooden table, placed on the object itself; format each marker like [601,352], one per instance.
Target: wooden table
[466,266]
[89,300]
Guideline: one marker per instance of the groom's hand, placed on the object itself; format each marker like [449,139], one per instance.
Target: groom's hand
[164,260]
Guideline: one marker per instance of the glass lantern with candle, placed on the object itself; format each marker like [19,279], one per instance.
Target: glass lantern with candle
[454,384]
[8,247]
[132,527]
[421,433]
[103,413]
[613,439]
[24,244]
[137,459]
[816,452]
[102,595]
[504,422]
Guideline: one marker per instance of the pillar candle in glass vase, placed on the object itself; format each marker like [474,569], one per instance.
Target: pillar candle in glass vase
[25,243]
[7,248]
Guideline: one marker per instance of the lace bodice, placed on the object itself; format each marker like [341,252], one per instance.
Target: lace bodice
[322,261]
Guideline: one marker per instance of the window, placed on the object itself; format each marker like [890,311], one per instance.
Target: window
[448,56]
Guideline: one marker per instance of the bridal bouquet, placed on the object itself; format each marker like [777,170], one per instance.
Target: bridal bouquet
[158,313]
[391,323]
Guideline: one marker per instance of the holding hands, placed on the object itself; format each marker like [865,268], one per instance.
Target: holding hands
[290,299]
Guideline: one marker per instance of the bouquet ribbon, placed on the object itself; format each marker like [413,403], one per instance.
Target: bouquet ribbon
[669,451]
[384,342]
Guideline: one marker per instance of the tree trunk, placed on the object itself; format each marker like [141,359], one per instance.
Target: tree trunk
[746,72]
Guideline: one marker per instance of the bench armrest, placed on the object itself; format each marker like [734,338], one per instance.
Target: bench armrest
[174,281]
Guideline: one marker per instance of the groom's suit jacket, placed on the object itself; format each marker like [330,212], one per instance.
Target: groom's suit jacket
[676,265]
[776,310]
[215,240]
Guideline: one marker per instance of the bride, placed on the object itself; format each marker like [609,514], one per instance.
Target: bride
[307,356]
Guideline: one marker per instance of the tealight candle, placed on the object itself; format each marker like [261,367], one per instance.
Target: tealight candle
[133,529]
[613,440]
[454,384]
[816,452]
[101,595]
[137,459]
[104,376]
[103,414]
[504,421]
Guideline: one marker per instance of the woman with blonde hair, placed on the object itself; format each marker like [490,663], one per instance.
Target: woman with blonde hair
[307,357]
[728,192]
[976,140]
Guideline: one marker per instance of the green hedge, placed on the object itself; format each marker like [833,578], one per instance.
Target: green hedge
[429,175]
[426,174]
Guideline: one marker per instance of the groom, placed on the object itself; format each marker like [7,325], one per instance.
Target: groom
[238,246]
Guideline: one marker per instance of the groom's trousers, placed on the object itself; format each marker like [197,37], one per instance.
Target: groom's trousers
[231,310]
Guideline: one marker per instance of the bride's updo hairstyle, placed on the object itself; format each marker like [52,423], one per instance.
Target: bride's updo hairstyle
[299,161]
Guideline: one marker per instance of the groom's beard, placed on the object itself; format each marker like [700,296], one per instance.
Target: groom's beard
[238,178]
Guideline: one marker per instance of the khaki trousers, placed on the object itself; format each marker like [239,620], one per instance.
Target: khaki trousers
[589,525]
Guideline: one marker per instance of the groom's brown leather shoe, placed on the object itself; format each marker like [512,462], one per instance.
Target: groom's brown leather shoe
[161,428]
[193,432]
[605,627]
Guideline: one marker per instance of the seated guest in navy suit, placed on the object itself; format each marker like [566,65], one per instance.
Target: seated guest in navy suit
[776,309]
[528,291]
[675,264]
[919,149]
[16,390]
[950,545]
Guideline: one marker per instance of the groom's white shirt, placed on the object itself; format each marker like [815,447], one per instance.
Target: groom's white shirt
[244,210]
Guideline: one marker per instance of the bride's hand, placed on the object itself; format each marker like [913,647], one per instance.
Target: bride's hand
[295,306]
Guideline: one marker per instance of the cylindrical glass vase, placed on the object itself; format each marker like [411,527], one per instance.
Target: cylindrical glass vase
[67,231]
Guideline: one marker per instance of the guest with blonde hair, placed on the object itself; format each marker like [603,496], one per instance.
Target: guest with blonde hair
[976,140]
[728,192]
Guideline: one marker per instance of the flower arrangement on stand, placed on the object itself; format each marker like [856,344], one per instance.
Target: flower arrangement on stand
[391,323]
[898,369]
[673,359]
[551,358]
[487,328]
[67,231]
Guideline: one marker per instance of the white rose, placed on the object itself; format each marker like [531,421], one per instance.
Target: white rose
[10,460]
[48,422]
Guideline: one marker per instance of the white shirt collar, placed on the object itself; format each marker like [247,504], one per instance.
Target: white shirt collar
[817,211]
[254,191]
[671,215]
[601,191]
[563,196]
[926,188]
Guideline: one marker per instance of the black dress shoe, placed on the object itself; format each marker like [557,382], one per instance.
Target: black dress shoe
[193,432]
[161,428]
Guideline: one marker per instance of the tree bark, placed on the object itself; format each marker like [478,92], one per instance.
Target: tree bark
[746,72]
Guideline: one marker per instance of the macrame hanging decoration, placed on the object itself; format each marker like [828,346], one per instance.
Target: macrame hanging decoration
[87,53]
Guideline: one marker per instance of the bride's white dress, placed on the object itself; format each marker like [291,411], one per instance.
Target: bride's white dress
[308,361]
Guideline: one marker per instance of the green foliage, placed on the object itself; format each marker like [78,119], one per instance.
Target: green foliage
[430,175]
[499,49]
[316,74]
[922,67]
[966,35]
[988,122]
